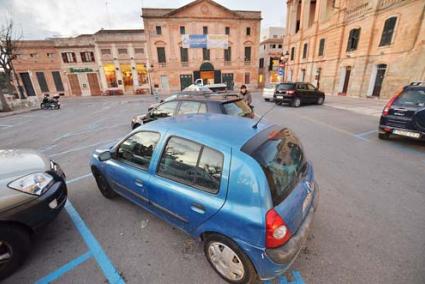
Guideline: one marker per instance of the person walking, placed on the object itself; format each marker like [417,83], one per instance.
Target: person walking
[246,96]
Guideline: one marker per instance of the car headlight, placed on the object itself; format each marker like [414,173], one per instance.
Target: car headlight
[35,183]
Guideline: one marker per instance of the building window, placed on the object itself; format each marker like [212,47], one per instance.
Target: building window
[122,51]
[184,54]
[58,81]
[158,30]
[205,54]
[33,55]
[228,54]
[182,30]
[247,77]
[272,45]
[227,30]
[388,31]
[205,30]
[321,47]
[69,57]
[261,64]
[139,50]
[105,51]
[42,82]
[87,56]
[161,54]
[279,46]
[353,39]
[248,31]
[247,53]
[50,55]
[292,53]
[305,49]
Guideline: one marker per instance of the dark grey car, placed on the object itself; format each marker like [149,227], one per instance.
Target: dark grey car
[32,192]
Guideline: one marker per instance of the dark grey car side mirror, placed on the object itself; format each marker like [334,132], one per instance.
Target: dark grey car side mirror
[107,155]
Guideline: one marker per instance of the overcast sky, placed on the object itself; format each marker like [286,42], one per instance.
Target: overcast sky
[39,19]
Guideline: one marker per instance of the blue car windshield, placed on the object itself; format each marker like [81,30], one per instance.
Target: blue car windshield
[283,162]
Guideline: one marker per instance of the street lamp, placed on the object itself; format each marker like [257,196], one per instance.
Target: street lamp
[150,68]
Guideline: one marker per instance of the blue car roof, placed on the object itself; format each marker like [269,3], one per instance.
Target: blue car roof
[231,130]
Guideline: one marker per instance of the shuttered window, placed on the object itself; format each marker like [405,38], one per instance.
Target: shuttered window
[388,31]
[42,82]
[228,54]
[247,53]
[184,54]
[321,47]
[161,54]
[58,81]
[353,39]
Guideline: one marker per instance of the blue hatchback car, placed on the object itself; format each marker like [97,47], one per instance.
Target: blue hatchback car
[247,191]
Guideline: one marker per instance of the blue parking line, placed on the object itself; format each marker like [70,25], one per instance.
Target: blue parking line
[64,269]
[111,274]
[296,275]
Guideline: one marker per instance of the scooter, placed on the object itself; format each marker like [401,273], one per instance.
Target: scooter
[50,103]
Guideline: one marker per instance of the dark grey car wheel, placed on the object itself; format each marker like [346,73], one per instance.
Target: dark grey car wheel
[320,100]
[296,102]
[14,247]
[103,185]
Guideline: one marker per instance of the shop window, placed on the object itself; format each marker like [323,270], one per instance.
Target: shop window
[69,57]
[110,75]
[321,47]
[182,30]
[142,74]
[161,54]
[127,76]
[388,31]
[353,39]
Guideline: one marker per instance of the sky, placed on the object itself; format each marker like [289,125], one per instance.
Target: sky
[39,19]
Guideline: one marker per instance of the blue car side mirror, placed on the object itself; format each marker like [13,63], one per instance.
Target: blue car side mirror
[107,155]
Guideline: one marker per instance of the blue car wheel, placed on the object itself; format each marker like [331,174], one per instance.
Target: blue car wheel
[228,260]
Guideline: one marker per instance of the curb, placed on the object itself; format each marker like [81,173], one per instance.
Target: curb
[6,114]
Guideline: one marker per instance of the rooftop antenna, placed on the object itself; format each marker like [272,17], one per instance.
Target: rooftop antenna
[258,121]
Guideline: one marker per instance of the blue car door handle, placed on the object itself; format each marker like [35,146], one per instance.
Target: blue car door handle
[198,208]
[139,183]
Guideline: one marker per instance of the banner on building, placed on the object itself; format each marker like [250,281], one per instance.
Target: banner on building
[205,41]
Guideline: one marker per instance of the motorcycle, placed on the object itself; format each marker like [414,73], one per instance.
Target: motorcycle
[50,103]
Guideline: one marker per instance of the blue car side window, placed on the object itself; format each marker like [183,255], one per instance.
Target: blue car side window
[192,164]
[138,148]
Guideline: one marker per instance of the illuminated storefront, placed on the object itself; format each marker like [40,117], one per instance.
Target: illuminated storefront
[127,76]
[142,74]
[110,75]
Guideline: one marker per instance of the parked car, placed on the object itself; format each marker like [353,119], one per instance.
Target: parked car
[32,192]
[404,114]
[268,92]
[297,94]
[247,191]
[182,94]
[196,103]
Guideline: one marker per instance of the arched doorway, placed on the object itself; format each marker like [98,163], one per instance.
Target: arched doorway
[206,73]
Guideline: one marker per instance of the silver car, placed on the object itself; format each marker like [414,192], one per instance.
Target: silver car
[32,193]
[268,92]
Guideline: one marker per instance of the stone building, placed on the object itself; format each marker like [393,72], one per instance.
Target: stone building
[270,53]
[175,65]
[357,48]
[85,65]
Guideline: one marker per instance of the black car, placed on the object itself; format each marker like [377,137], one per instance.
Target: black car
[404,114]
[199,103]
[32,193]
[298,93]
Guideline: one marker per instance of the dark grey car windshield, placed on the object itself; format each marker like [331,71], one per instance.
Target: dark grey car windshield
[282,160]
[411,97]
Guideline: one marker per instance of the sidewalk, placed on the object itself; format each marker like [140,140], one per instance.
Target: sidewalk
[367,106]
[19,111]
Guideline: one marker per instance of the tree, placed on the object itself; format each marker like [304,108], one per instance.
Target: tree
[9,45]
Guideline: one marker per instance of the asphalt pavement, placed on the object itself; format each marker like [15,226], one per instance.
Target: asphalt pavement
[369,228]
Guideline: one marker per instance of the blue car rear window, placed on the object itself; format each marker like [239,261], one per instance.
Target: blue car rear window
[282,158]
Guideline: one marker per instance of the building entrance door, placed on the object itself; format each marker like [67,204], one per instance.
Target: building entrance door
[346,79]
[94,84]
[74,83]
[207,77]
[185,81]
[380,74]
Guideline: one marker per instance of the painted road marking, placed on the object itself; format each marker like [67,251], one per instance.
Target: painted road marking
[6,125]
[64,269]
[111,274]
[362,136]
[296,275]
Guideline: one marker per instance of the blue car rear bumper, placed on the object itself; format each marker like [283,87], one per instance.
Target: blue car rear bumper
[270,263]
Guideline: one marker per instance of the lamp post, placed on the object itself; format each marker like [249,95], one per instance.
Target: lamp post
[150,68]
